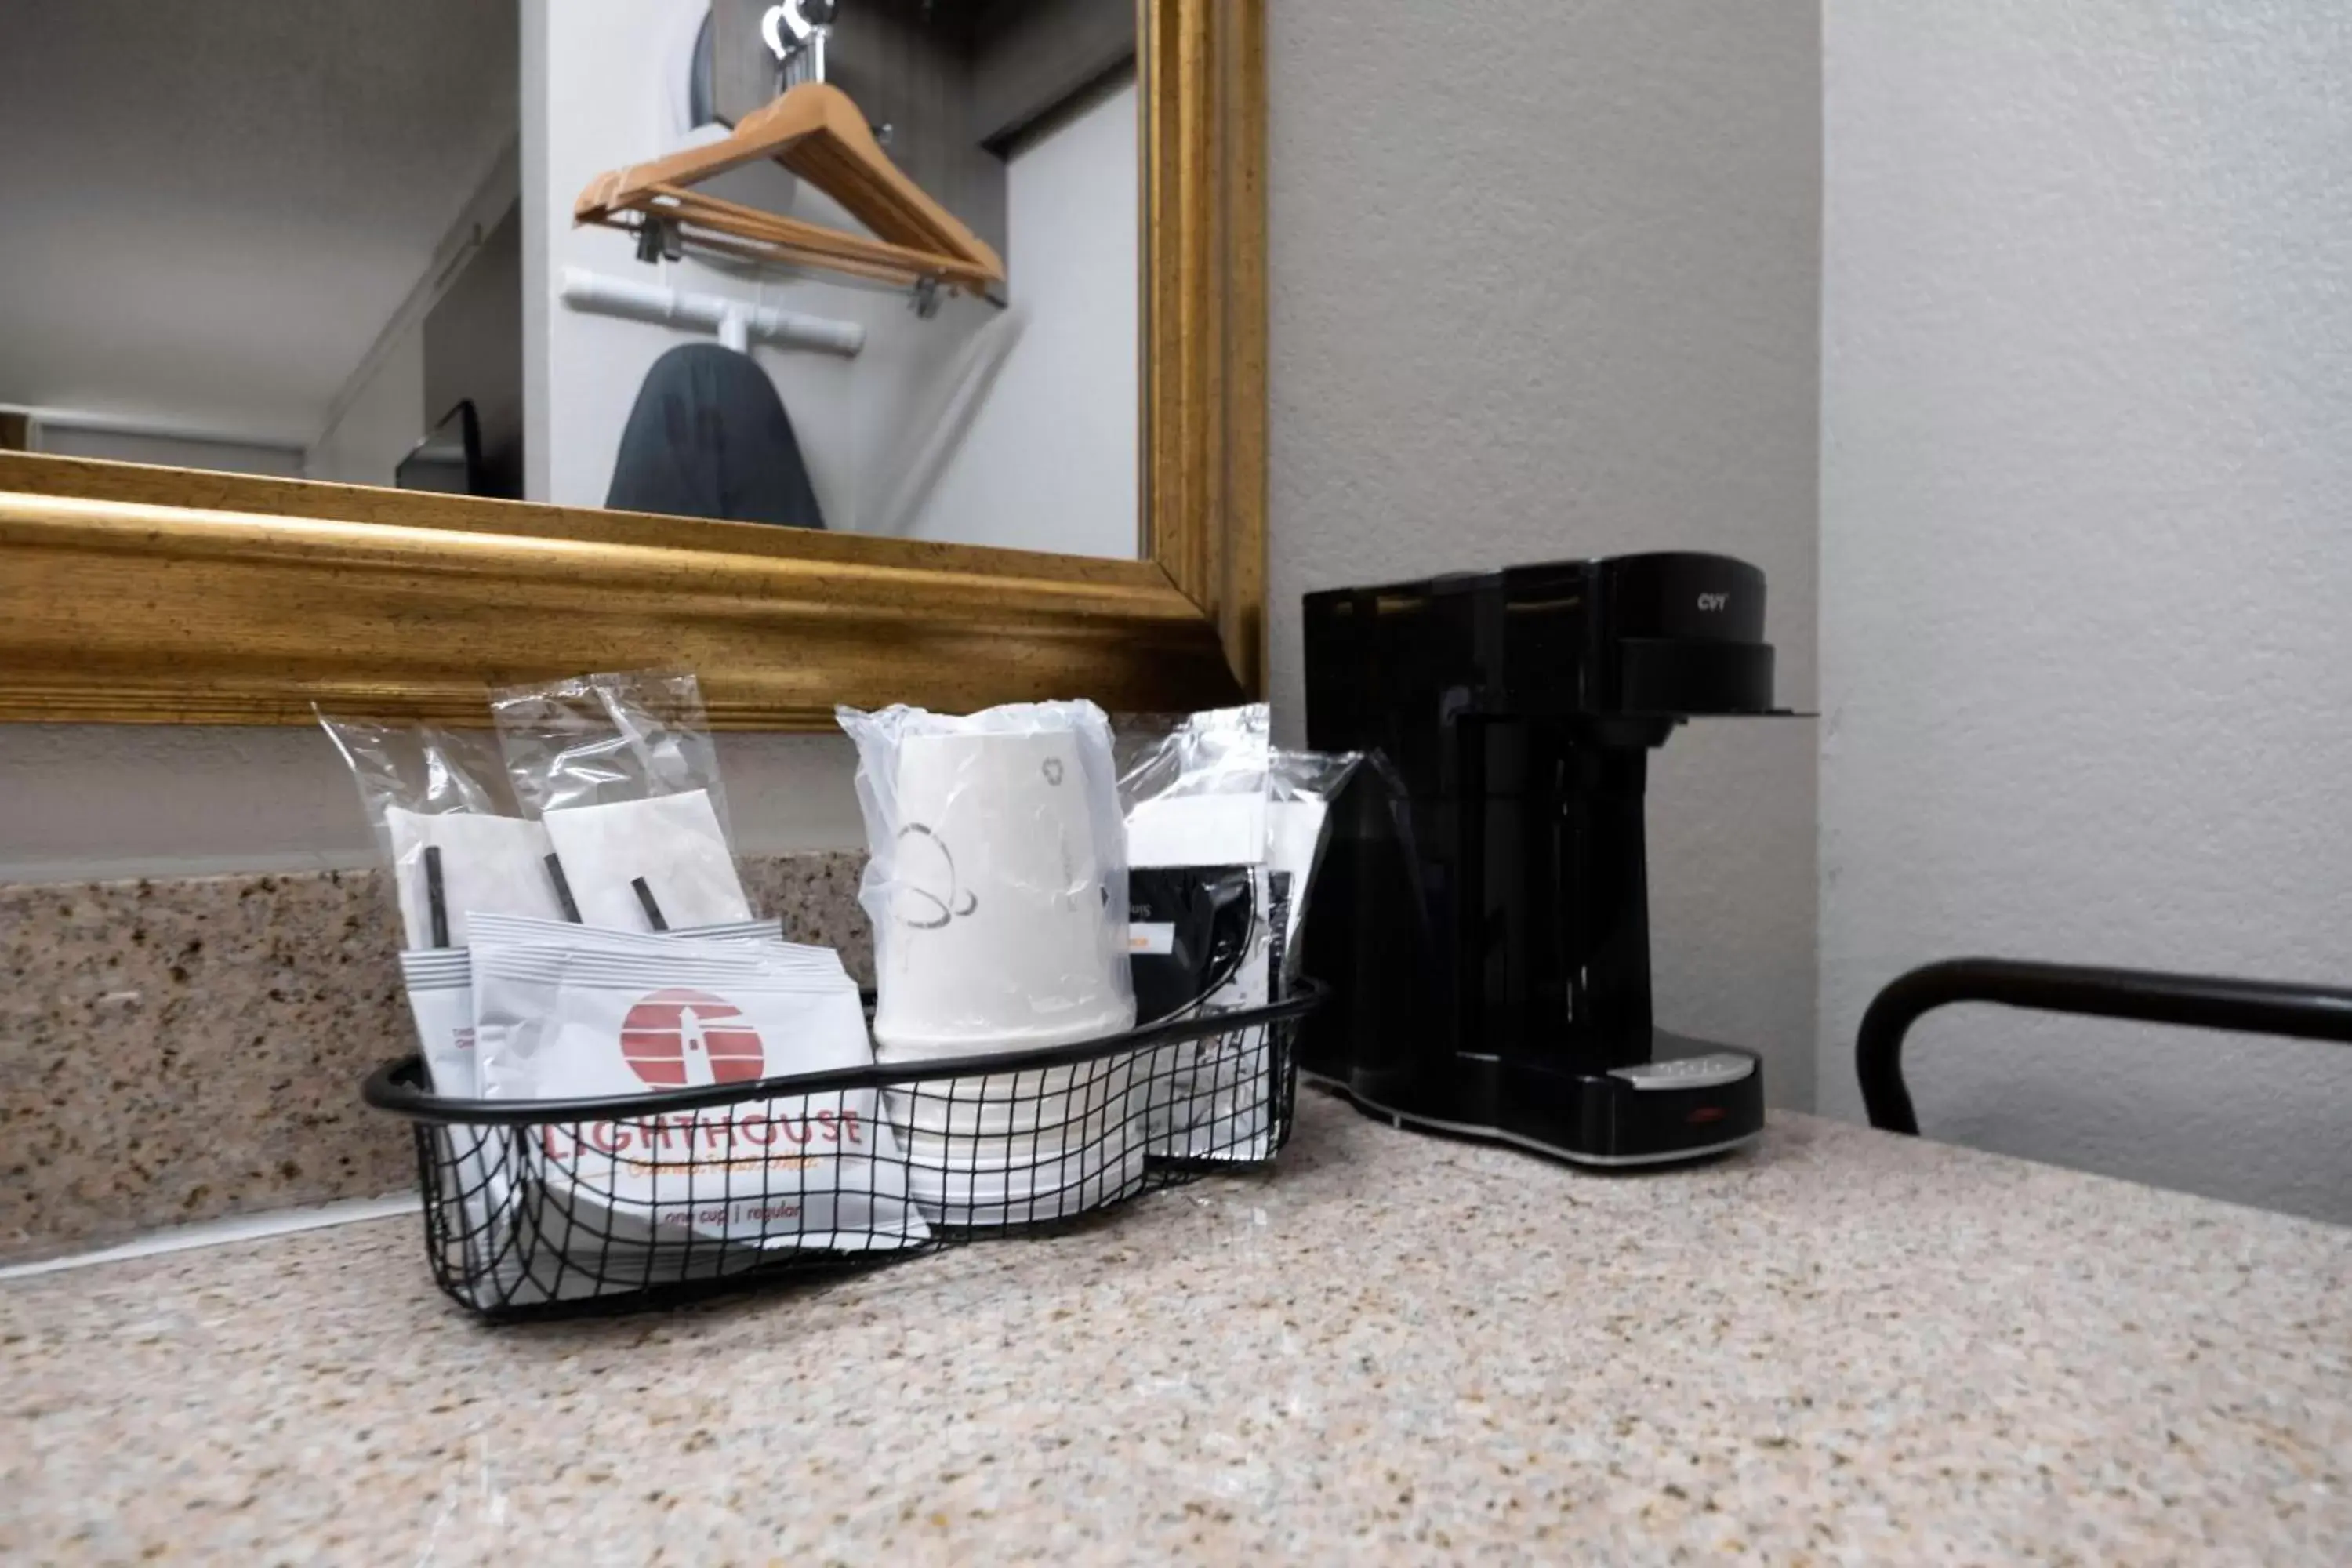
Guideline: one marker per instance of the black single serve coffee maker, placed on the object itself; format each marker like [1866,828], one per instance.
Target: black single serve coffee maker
[1482,915]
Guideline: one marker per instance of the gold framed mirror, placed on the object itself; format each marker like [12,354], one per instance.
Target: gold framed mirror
[131,594]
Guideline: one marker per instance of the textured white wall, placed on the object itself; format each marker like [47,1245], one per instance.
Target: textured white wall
[83,802]
[126,445]
[209,224]
[1544,284]
[1049,459]
[383,424]
[2086,479]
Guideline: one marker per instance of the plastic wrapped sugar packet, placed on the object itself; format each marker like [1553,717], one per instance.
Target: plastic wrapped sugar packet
[623,774]
[447,827]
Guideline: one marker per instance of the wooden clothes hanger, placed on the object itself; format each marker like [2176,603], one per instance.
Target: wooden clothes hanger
[817,132]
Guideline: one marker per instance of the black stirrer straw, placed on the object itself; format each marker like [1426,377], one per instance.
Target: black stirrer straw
[562,890]
[653,910]
[435,901]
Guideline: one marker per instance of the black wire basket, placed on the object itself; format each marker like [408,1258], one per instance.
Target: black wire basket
[550,1207]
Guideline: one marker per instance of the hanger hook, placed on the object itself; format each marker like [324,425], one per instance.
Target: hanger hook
[803,28]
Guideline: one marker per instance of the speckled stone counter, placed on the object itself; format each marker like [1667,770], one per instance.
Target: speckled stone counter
[1842,1346]
[184,1048]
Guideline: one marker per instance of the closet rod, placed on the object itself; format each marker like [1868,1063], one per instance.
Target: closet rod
[736,321]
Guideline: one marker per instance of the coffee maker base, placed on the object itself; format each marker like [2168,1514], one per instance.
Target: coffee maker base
[1691,1100]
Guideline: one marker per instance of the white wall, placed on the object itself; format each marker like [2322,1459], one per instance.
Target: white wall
[879,433]
[176,451]
[2086,478]
[100,801]
[208,223]
[1049,459]
[1544,284]
[382,422]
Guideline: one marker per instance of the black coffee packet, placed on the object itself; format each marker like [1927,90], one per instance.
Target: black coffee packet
[1189,927]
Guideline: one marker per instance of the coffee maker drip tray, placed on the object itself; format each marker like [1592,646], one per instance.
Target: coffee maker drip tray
[1692,1099]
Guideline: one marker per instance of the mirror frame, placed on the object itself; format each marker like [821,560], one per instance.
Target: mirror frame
[137,595]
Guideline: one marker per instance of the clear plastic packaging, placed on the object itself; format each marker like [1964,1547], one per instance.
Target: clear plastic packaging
[1205,927]
[439,982]
[513,1234]
[446,827]
[509,930]
[596,1015]
[1301,786]
[622,772]
[996,879]
[996,882]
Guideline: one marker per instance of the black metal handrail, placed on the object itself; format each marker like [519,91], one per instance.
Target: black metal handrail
[2149,995]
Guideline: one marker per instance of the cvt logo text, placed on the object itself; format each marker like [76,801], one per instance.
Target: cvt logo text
[1714,601]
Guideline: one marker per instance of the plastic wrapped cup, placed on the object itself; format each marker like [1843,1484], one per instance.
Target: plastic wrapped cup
[1003,939]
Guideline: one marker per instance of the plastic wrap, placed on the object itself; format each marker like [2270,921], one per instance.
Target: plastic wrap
[1301,786]
[622,772]
[1206,922]
[512,1233]
[590,1014]
[996,879]
[996,882]
[446,827]
[1195,800]
[508,931]
[439,982]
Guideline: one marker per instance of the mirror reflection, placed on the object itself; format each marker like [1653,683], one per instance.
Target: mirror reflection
[866,265]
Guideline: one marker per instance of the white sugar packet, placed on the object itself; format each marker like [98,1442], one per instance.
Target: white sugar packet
[815,1170]
[674,842]
[489,865]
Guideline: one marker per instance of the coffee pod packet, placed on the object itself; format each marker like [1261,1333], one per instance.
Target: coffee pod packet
[511,931]
[474,1160]
[501,1255]
[1301,786]
[995,879]
[1205,922]
[682,1195]
[623,774]
[439,982]
[447,827]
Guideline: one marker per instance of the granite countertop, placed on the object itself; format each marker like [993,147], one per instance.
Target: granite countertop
[1841,1345]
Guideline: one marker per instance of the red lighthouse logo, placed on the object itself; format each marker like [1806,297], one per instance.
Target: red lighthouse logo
[679,1039]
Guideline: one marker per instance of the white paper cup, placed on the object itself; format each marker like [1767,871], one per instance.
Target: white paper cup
[967,1196]
[992,1107]
[1047,1109]
[1003,941]
[973,1162]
